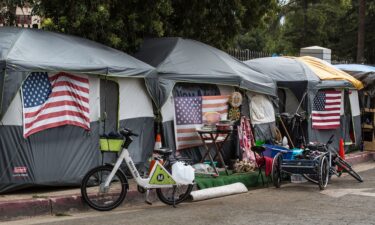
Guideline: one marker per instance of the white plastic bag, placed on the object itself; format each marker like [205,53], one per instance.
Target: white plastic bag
[183,174]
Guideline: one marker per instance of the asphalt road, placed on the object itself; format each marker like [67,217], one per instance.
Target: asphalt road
[344,202]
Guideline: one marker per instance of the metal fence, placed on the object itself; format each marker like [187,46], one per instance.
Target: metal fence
[246,54]
[339,60]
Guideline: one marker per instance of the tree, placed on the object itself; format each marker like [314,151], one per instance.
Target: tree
[329,23]
[123,24]
[266,36]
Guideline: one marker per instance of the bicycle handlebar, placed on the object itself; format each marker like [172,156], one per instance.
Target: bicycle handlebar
[127,133]
[330,140]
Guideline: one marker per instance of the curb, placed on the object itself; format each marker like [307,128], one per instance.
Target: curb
[12,210]
[360,157]
[24,208]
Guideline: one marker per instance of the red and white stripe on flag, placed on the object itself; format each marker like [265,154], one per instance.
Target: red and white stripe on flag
[326,110]
[189,113]
[52,101]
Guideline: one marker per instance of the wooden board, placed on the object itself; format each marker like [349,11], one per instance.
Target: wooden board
[369,146]
[367,126]
[369,110]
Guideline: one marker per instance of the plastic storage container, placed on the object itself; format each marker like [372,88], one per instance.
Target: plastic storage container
[272,150]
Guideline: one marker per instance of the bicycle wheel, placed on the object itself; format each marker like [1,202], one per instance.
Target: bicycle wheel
[166,194]
[98,198]
[348,168]
[323,172]
[276,170]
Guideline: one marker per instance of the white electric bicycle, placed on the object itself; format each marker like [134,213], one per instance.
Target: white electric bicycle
[104,187]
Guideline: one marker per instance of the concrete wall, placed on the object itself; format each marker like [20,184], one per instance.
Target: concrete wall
[318,52]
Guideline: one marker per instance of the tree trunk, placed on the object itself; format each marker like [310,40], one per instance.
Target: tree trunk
[304,35]
[361,31]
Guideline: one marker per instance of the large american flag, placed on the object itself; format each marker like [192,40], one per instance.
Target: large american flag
[52,101]
[326,110]
[189,113]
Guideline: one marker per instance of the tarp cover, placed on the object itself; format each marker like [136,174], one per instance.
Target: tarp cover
[27,50]
[184,60]
[325,71]
[291,72]
[364,73]
[355,67]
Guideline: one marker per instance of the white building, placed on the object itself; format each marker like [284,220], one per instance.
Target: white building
[25,19]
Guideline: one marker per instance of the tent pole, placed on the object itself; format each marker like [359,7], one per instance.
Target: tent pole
[286,131]
[105,102]
[300,103]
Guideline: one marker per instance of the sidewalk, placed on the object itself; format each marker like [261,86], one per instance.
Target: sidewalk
[63,200]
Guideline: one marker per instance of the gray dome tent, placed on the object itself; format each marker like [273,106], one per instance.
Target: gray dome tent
[295,75]
[184,60]
[194,64]
[62,155]
[27,50]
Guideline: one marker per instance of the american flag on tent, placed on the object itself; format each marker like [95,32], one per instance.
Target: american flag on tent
[326,110]
[52,101]
[189,113]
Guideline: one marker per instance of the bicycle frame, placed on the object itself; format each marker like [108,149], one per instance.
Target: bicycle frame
[159,176]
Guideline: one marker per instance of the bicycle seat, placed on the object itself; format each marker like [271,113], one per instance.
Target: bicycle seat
[127,133]
[163,151]
[317,147]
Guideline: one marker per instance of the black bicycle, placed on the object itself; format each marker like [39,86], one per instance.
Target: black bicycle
[337,165]
[317,164]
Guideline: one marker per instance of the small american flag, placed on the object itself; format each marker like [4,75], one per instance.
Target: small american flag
[52,101]
[326,110]
[189,113]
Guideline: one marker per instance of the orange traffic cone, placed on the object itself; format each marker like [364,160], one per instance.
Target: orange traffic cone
[341,149]
[157,142]
[341,152]
[156,146]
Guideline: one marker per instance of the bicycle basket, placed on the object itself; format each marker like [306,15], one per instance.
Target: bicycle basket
[111,144]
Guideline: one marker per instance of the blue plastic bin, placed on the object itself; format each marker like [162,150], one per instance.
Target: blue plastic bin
[268,151]
[296,151]
[272,150]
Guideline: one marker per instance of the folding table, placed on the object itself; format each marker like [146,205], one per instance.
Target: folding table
[212,137]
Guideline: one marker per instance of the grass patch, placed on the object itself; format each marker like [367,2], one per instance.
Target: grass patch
[39,196]
[249,179]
